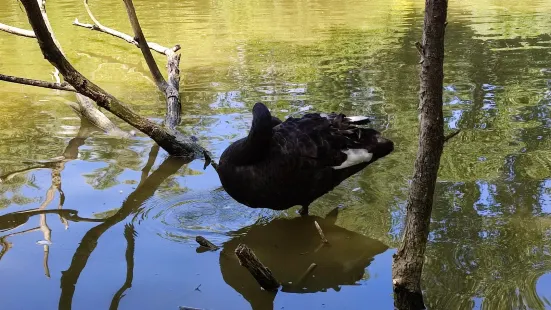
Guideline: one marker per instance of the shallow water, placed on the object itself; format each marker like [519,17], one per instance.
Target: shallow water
[125,237]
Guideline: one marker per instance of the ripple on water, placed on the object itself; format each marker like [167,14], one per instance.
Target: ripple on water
[183,217]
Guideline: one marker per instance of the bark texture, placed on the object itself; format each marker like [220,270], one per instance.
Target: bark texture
[261,273]
[408,262]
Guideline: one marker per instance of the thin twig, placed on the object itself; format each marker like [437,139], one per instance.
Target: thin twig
[19,80]
[101,28]
[322,235]
[17,31]
[451,135]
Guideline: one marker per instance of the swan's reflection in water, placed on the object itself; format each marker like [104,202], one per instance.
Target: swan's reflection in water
[288,247]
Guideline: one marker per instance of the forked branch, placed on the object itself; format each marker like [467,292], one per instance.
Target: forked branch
[170,140]
[171,89]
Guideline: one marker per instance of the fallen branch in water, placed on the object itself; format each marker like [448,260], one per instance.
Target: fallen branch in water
[205,243]
[261,273]
[167,137]
[322,235]
[305,274]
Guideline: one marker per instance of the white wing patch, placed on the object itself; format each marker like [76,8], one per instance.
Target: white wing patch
[354,157]
[355,119]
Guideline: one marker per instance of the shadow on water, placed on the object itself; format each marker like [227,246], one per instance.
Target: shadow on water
[288,247]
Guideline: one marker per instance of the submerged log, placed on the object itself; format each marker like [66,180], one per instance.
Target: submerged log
[261,273]
[205,243]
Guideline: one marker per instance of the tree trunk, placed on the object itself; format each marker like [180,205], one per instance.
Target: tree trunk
[408,262]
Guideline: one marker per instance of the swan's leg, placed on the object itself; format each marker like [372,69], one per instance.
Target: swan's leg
[304,210]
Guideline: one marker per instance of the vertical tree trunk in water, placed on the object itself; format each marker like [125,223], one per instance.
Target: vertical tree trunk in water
[408,262]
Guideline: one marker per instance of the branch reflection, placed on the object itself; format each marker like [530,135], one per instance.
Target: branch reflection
[130,236]
[89,242]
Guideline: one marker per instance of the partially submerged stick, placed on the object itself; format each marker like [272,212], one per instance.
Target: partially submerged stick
[322,235]
[205,243]
[305,274]
[261,273]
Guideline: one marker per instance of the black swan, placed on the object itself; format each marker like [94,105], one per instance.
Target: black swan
[283,164]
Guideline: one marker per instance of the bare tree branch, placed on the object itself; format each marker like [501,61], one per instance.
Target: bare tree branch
[17,31]
[139,36]
[85,106]
[38,83]
[169,139]
[170,89]
[451,135]
[101,28]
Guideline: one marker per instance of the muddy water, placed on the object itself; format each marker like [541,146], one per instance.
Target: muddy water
[113,224]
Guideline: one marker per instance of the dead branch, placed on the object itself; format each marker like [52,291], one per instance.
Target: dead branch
[139,36]
[85,107]
[305,274]
[322,235]
[97,26]
[38,83]
[17,31]
[170,89]
[261,273]
[205,243]
[169,139]
[451,135]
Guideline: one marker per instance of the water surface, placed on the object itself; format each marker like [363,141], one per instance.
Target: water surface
[113,224]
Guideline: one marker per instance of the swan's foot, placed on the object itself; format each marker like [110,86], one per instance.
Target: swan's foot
[303,211]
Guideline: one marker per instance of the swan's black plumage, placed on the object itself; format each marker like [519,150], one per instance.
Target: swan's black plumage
[283,164]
